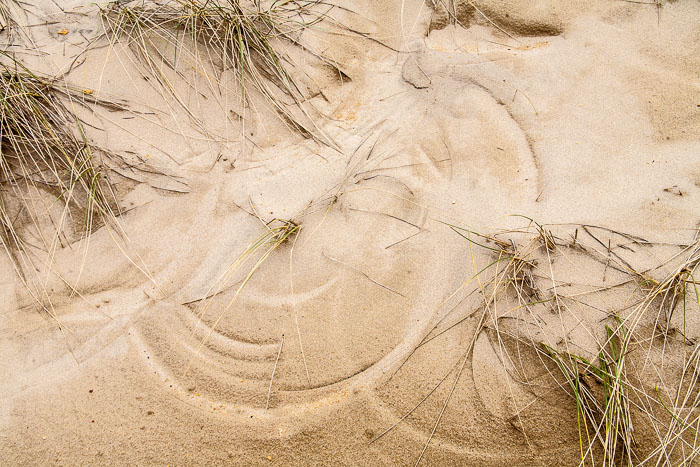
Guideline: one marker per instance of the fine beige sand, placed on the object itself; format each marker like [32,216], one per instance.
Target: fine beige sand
[570,113]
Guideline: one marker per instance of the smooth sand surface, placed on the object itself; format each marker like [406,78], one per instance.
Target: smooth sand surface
[564,112]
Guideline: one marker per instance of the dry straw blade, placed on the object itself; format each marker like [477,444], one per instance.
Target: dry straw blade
[6,20]
[8,10]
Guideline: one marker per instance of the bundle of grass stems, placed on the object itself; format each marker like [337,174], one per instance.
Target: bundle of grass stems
[245,37]
[44,150]
[643,376]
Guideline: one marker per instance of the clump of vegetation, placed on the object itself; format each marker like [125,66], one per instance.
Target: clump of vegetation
[605,418]
[243,36]
[277,232]
[621,390]
[12,25]
[44,149]
[634,384]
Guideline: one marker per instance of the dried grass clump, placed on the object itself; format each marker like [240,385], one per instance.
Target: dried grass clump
[44,149]
[631,383]
[634,383]
[246,37]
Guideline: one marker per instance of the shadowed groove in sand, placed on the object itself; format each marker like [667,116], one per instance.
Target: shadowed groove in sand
[230,369]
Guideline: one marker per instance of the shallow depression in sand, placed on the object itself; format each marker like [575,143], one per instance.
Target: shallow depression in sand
[333,309]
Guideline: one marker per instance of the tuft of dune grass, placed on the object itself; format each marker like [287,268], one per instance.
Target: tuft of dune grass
[612,395]
[247,37]
[636,398]
[44,149]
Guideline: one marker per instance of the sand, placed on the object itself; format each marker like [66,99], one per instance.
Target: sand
[564,112]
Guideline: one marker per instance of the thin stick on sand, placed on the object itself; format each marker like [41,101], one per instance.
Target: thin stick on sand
[364,274]
[269,389]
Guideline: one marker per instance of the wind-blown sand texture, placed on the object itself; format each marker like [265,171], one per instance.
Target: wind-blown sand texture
[366,328]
